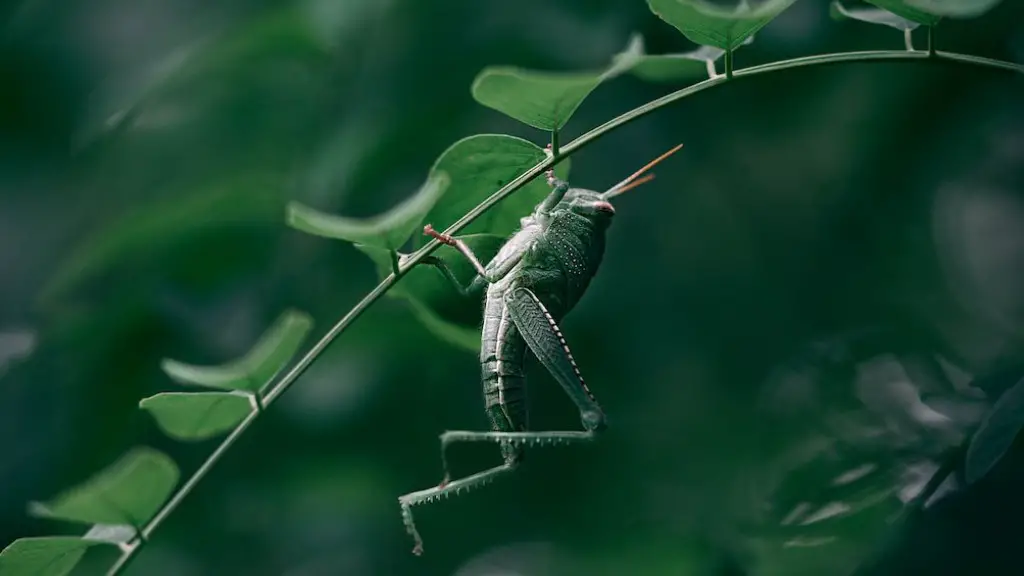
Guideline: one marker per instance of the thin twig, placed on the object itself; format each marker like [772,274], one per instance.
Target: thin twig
[417,257]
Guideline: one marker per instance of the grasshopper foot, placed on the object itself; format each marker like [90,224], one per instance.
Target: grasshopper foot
[443,238]
[550,174]
[594,420]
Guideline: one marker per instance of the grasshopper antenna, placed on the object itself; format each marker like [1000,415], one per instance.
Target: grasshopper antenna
[628,183]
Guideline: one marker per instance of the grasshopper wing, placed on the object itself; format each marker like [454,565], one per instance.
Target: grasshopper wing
[540,331]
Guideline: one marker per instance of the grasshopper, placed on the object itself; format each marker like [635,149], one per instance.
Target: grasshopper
[536,278]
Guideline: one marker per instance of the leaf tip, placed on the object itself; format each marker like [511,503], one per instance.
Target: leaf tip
[172,368]
[37,509]
[293,212]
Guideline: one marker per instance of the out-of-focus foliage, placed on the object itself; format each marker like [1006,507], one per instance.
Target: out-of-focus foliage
[996,434]
[149,150]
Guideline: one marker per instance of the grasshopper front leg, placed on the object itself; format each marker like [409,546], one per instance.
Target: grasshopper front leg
[467,291]
[500,268]
[560,187]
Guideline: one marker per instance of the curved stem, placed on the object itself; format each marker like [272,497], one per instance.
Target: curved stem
[515,184]
[979,61]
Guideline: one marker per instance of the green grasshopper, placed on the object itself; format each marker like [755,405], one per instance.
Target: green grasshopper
[536,278]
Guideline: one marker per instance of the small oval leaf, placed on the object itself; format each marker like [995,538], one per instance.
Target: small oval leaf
[904,9]
[278,346]
[996,434]
[681,66]
[43,556]
[195,416]
[130,491]
[275,348]
[545,100]
[954,8]
[478,166]
[711,25]
[872,16]
[388,230]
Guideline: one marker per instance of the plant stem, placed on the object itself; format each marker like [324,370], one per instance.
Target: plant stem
[272,394]
[515,184]
[728,64]
[979,61]
[554,142]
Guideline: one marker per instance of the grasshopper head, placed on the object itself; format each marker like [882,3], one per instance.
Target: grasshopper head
[589,204]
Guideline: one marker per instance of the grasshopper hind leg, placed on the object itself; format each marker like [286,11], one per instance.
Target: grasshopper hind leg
[512,444]
[445,489]
[540,332]
[511,453]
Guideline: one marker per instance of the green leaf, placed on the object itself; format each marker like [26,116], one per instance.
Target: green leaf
[128,492]
[478,166]
[872,16]
[545,100]
[198,415]
[111,533]
[996,434]
[669,67]
[710,25]
[431,297]
[272,352]
[955,8]
[682,66]
[43,556]
[904,9]
[389,230]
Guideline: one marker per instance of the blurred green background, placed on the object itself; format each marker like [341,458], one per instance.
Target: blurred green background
[790,317]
